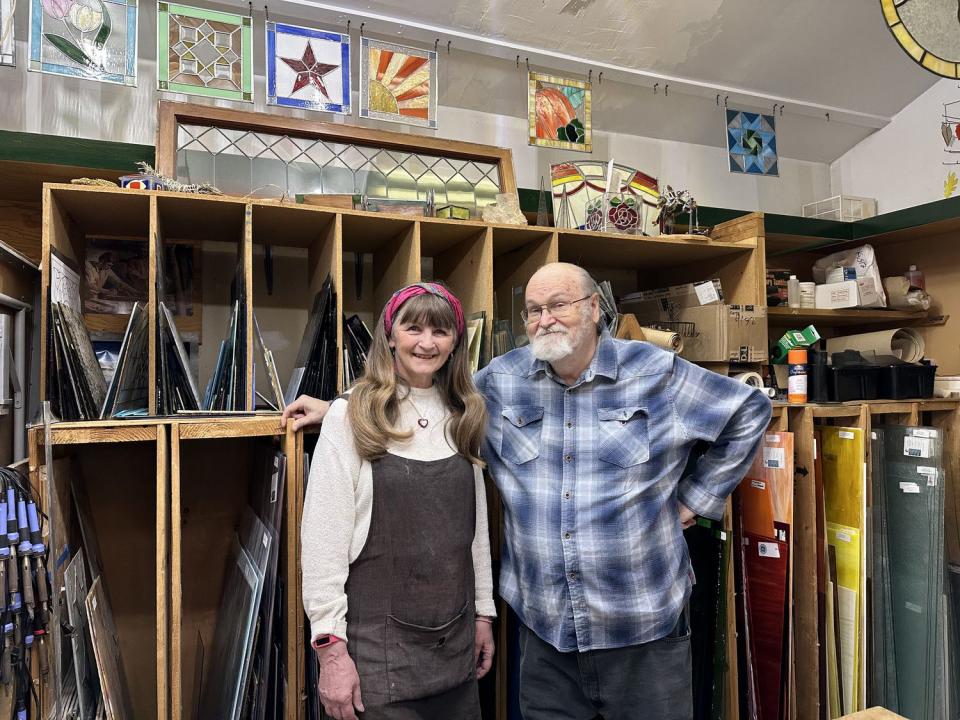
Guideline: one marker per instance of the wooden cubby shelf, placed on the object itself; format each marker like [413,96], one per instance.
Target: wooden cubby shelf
[849,317]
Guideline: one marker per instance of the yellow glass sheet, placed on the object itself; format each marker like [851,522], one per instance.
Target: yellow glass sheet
[843,475]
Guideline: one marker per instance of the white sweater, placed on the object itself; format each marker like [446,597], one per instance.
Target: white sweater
[336,512]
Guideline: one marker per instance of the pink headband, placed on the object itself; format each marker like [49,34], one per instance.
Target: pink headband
[405,293]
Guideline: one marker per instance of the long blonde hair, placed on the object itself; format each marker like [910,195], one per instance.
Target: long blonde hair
[374,406]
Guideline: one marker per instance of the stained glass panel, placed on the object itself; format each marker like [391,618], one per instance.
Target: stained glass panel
[203,52]
[7,47]
[398,83]
[752,143]
[308,68]
[245,162]
[84,38]
[577,184]
[560,113]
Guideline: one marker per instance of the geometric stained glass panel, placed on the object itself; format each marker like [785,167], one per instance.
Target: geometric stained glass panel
[7,52]
[398,83]
[91,39]
[752,143]
[308,68]
[204,52]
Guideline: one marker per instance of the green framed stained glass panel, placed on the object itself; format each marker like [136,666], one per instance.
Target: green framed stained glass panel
[204,52]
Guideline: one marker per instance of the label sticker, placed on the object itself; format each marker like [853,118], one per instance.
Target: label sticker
[706,293]
[920,447]
[910,488]
[774,457]
[758,484]
[770,550]
[772,438]
[873,435]
[923,432]
[846,435]
[843,536]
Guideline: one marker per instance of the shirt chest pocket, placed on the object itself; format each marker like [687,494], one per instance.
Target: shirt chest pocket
[520,431]
[623,438]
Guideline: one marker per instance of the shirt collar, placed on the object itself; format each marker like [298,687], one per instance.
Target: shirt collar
[604,361]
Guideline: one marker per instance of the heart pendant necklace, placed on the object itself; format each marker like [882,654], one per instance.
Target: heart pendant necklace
[421,420]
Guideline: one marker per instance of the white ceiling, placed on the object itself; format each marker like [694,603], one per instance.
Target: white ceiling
[837,54]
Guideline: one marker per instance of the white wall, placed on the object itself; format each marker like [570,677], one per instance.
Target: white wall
[483,100]
[902,165]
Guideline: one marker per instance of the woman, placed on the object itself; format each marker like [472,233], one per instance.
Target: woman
[396,558]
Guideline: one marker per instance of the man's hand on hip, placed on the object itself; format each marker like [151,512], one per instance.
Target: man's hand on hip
[687,516]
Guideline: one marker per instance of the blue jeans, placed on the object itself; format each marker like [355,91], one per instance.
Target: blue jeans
[652,680]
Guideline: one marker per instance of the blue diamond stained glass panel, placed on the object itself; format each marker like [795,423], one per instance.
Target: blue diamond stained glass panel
[308,68]
[752,143]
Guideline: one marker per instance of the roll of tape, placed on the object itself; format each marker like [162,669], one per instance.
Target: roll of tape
[750,378]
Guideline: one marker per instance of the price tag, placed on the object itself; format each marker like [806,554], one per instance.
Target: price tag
[920,447]
[774,457]
[846,435]
[770,550]
[909,488]
[758,484]
[706,293]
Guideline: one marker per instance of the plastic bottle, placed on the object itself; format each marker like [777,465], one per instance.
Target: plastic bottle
[793,292]
[797,376]
[914,277]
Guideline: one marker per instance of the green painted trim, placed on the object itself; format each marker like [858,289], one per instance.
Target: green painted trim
[936,211]
[79,152]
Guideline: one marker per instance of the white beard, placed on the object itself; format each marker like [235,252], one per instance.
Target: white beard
[552,346]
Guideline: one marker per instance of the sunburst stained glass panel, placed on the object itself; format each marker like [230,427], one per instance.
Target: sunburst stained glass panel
[87,39]
[204,52]
[398,83]
[308,68]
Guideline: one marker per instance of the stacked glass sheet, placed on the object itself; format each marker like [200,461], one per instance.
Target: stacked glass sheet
[910,627]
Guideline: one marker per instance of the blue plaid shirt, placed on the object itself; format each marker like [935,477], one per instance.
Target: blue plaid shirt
[590,475]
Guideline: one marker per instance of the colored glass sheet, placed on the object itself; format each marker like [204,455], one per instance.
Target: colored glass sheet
[844,487]
[7,34]
[913,501]
[577,184]
[559,112]
[766,565]
[87,39]
[398,83]
[308,68]
[752,143]
[204,52]
[707,544]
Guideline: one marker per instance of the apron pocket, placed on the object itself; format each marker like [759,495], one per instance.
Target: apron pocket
[424,661]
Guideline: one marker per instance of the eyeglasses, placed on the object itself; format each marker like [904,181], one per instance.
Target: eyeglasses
[557,310]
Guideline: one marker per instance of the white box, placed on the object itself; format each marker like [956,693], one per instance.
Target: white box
[833,296]
[846,208]
[867,291]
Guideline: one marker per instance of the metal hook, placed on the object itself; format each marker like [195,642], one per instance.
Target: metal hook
[600,78]
[448,46]
[250,7]
[775,108]
[828,116]
[348,26]
[518,62]
[436,44]
[666,90]
[655,86]
[781,109]
[361,28]
[590,76]
[718,99]
[528,64]
[725,98]
[266,12]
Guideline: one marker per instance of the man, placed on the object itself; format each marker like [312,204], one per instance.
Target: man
[588,442]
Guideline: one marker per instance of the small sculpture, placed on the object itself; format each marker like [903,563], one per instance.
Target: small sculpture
[175,185]
[672,203]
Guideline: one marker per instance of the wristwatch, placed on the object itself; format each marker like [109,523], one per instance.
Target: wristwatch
[324,641]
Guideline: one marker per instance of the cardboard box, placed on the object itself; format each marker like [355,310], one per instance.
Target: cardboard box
[648,304]
[721,333]
[833,296]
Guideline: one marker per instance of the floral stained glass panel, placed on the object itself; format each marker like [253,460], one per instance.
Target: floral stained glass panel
[398,83]
[752,143]
[92,39]
[204,52]
[559,111]
[7,52]
[308,68]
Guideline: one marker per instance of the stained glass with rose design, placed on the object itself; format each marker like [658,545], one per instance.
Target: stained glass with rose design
[7,47]
[559,112]
[204,52]
[92,39]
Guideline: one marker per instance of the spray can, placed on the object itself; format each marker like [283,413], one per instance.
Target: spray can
[797,377]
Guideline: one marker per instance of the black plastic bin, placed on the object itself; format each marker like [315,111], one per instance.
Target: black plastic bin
[902,381]
[854,382]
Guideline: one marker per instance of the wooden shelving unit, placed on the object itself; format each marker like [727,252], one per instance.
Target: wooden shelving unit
[850,317]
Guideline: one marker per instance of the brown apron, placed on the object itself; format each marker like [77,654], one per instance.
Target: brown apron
[410,593]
